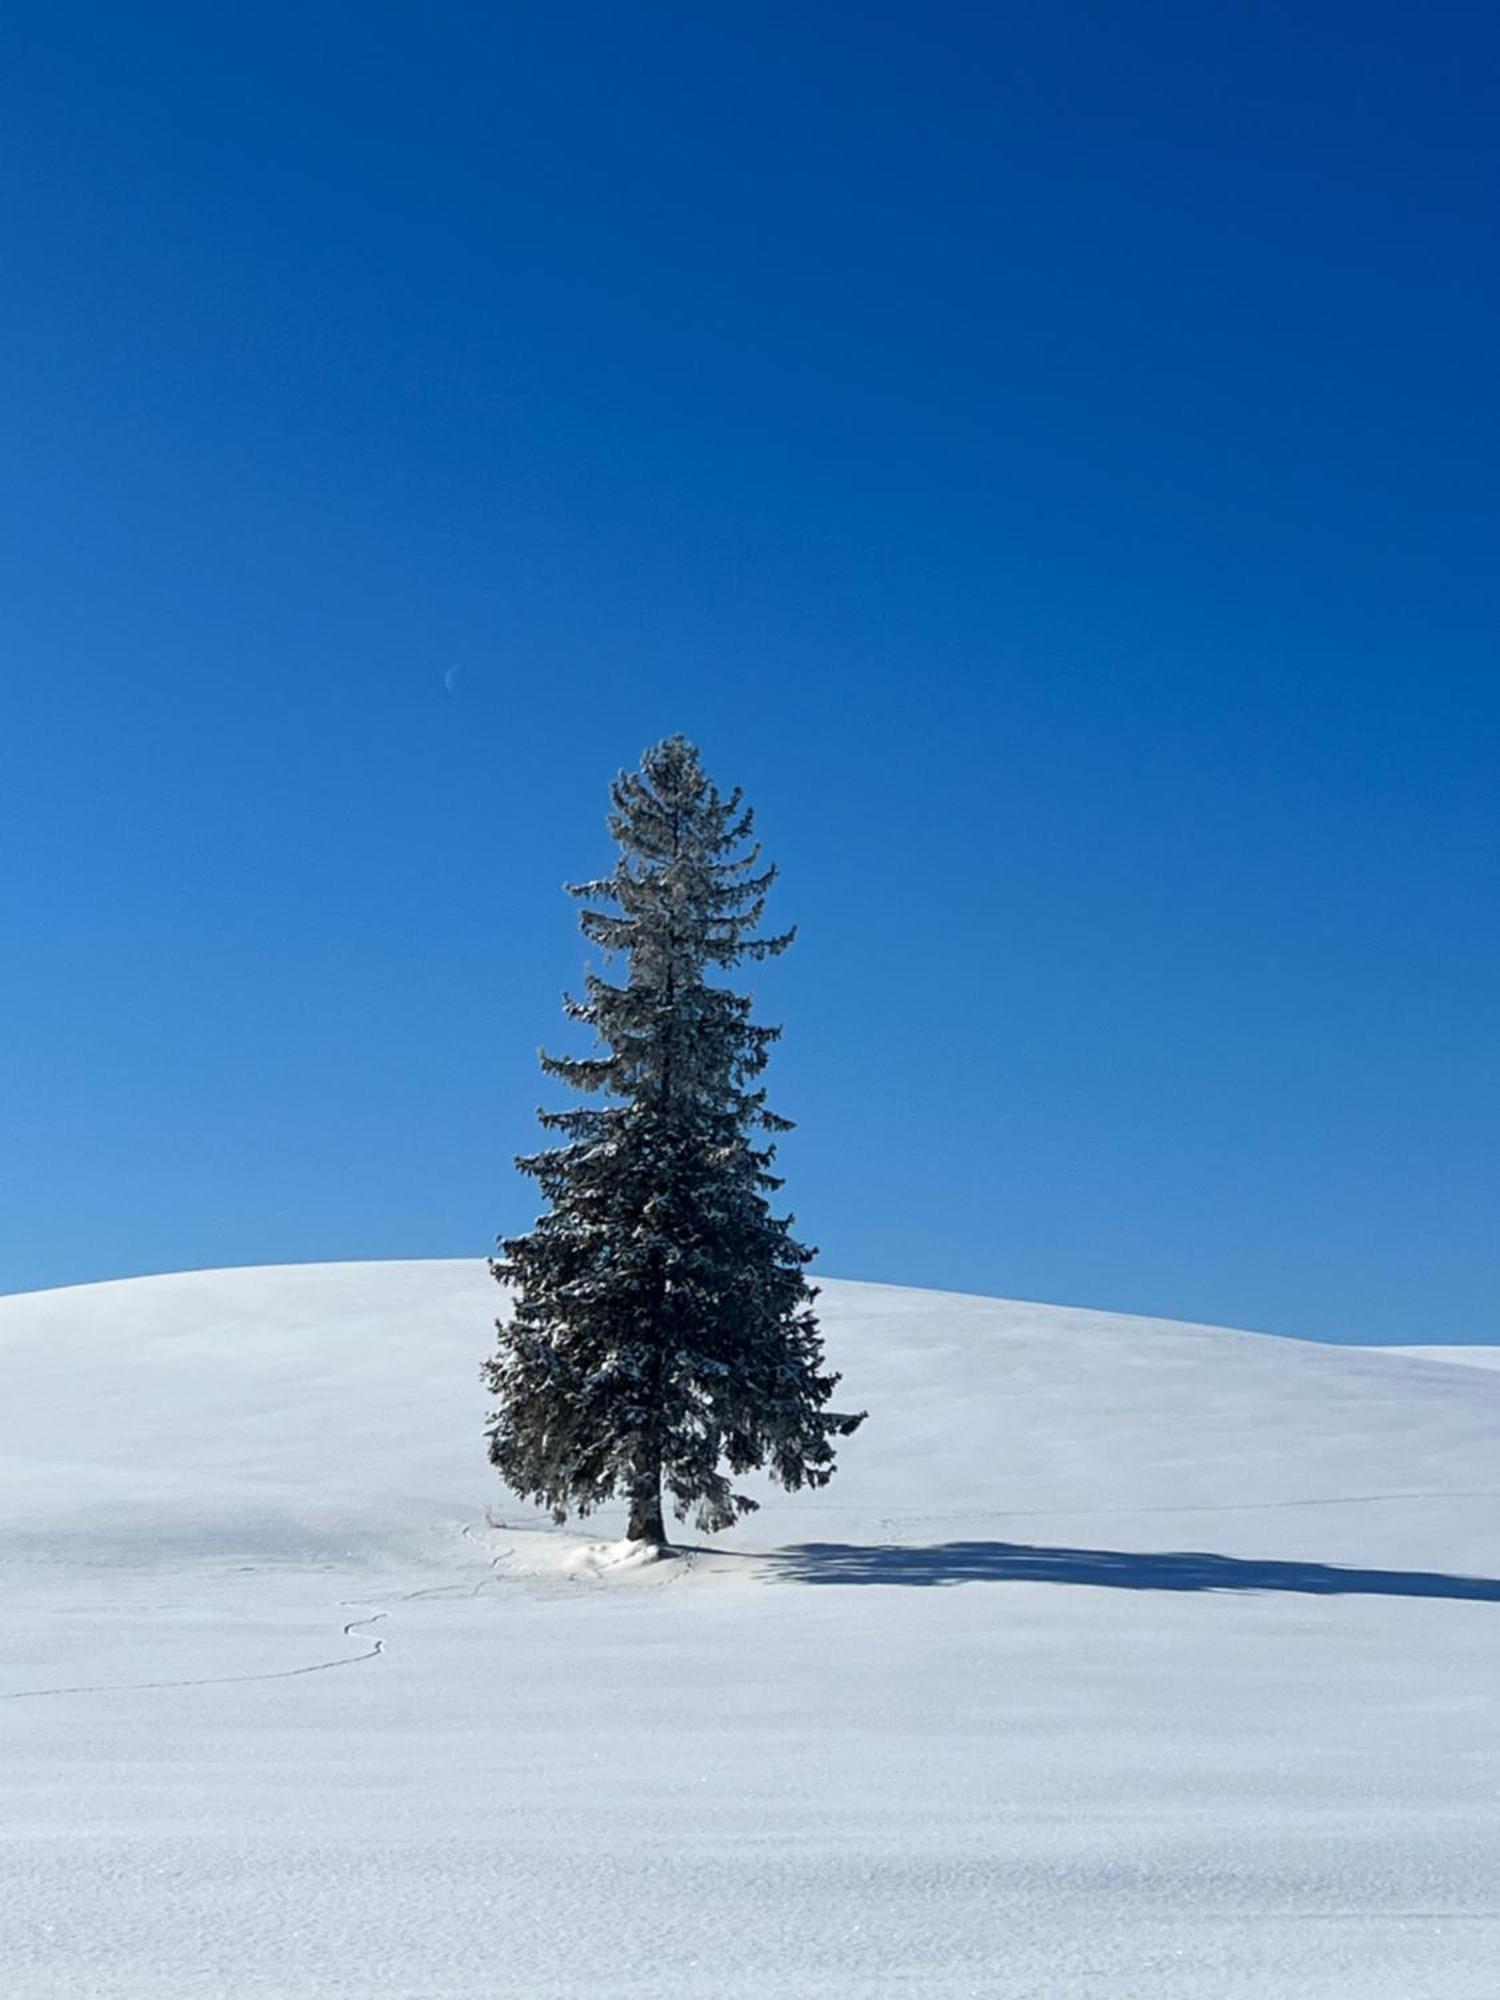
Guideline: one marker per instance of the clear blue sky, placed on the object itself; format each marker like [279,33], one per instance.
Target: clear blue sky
[1046,453]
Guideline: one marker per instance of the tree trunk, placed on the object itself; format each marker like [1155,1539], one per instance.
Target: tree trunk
[646,1524]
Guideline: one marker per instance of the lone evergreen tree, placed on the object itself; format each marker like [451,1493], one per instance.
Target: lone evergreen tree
[661,1324]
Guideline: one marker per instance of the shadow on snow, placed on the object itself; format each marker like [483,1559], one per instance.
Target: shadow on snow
[1111,1569]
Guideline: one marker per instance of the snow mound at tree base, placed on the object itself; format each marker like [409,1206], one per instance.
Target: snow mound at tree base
[622,1558]
[1120,1656]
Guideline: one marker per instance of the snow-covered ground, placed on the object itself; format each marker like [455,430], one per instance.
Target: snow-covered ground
[1463,1357]
[1123,1658]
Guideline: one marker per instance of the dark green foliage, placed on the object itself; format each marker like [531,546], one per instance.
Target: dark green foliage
[661,1324]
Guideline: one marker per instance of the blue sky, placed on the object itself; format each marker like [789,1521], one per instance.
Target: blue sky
[1045,453]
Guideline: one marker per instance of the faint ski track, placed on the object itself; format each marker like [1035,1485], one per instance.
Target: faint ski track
[461,1591]
[215,1680]
[377,1647]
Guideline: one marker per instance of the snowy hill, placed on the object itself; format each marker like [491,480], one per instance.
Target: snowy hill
[1122,1657]
[1463,1357]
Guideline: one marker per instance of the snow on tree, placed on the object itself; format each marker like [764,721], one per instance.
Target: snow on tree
[661,1324]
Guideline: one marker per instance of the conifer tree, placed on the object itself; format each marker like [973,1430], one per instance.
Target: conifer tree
[661,1324]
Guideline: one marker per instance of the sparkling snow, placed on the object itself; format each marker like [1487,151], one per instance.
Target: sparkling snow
[1123,1658]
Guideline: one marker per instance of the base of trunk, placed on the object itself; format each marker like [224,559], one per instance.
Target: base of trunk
[646,1524]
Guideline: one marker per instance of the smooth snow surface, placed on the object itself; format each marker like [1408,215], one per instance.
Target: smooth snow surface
[1462,1357]
[1123,1658]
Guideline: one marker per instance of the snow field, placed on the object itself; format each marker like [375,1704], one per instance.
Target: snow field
[1122,1657]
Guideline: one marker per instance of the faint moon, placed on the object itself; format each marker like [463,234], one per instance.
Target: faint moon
[450,678]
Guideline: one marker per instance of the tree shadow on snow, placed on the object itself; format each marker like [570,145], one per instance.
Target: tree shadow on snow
[1112,1569]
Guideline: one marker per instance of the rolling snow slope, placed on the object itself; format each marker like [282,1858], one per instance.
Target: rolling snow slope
[1122,1657]
[1461,1357]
